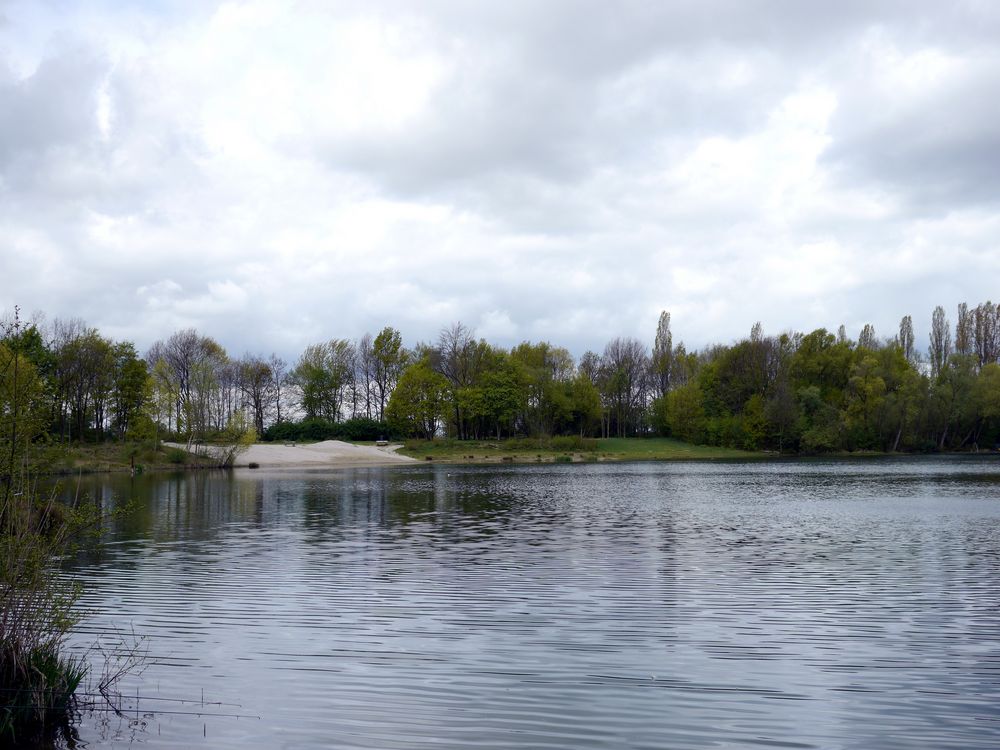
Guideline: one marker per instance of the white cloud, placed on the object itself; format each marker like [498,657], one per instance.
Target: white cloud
[275,176]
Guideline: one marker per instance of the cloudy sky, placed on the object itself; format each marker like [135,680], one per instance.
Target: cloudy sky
[279,173]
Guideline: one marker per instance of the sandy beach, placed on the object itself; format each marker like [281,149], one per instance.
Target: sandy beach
[329,453]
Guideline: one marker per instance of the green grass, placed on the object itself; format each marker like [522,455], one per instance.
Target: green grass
[117,457]
[666,449]
[575,450]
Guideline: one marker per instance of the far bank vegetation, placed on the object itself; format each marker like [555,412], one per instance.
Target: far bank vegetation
[791,392]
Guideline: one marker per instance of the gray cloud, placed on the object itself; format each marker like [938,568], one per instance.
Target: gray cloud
[537,170]
[937,148]
[53,108]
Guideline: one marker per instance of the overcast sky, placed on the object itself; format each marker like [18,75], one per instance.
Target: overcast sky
[280,173]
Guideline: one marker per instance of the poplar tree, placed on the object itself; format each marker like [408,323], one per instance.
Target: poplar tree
[663,353]
[940,348]
[986,335]
[906,337]
[963,330]
[867,338]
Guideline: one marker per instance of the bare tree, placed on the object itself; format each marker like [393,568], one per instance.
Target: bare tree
[194,365]
[279,378]
[256,383]
[459,359]
[365,376]
[625,364]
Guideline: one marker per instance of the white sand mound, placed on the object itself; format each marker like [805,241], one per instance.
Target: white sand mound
[332,453]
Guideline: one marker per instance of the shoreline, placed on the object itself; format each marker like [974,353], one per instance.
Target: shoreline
[339,454]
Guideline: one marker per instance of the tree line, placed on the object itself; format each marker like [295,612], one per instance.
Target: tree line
[798,392]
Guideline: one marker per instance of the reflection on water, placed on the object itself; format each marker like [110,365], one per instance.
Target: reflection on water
[805,604]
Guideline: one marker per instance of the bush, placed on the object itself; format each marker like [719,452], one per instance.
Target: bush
[316,429]
[176,455]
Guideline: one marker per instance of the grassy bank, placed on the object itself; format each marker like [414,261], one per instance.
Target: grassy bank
[566,450]
[91,458]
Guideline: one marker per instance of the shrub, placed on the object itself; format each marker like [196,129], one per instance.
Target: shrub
[315,428]
[176,455]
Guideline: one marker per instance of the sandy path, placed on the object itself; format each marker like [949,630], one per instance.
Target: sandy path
[331,453]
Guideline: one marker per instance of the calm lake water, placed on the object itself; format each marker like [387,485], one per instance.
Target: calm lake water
[838,604]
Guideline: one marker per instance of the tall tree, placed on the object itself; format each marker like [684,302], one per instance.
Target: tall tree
[279,379]
[419,400]
[256,382]
[986,333]
[546,372]
[663,352]
[964,333]
[683,367]
[131,393]
[459,358]
[389,359]
[323,376]
[867,338]
[193,364]
[940,348]
[625,364]
[365,376]
[906,337]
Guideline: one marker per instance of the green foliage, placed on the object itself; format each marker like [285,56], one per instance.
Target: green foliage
[390,359]
[685,413]
[316,429]
[822,361]
[794,392]
[418,403]
[238,435]
[585,404]
[987,391]
[37,608]
[753,424]
[323,372]
[659,418]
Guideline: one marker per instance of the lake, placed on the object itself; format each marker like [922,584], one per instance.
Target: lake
[798,604]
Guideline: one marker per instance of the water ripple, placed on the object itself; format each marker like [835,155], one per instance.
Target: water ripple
[793,604]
